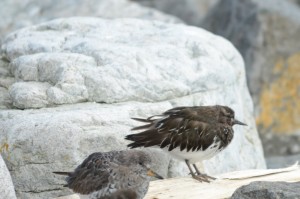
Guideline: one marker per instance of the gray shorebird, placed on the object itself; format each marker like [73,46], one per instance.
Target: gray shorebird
[191,134]
[102,174]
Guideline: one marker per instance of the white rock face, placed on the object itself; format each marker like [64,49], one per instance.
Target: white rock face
[142,68]
[7,188]
[87,59]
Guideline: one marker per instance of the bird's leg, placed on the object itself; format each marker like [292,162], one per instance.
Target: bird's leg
[200,174]
[197,170]
[198,177]
[190,168]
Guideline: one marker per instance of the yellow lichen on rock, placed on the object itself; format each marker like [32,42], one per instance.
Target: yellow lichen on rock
[4,147]
[280,100]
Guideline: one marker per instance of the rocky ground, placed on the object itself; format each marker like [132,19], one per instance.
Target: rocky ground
[69,86]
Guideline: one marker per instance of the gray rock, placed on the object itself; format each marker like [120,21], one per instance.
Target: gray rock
[7,188]
[16,14]
[276,162]
[190,11]
[296,2]
[142,68]
[281,145]
[268,190]
[267,33]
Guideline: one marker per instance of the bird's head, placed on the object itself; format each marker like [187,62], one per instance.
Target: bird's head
[136,157]
[227,116]
[141,161]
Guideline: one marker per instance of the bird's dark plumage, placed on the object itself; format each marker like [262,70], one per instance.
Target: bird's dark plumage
[190,133]
[101,174]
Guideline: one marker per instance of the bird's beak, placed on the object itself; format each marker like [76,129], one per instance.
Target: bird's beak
[153,174]
[238,122]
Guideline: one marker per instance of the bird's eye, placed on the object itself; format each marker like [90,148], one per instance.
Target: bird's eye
[140,163]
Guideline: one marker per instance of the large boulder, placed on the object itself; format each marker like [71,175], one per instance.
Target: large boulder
[267,33]
[130,68]
[86,59]
[7,188]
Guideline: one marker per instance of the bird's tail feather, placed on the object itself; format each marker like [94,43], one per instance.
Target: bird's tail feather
[62,173]
[141,119]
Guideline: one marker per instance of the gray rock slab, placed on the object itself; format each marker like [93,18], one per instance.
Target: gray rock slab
[268,190]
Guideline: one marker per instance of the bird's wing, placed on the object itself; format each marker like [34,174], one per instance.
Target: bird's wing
[183,127]
[92,175]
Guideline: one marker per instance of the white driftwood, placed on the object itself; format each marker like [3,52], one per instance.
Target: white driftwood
[223,187]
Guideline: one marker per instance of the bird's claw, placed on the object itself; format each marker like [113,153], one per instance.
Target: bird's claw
[203,178]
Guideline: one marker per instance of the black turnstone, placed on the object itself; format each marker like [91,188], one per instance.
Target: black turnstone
[191,134]
[102,174]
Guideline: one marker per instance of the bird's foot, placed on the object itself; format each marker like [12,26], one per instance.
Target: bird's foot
[203,178]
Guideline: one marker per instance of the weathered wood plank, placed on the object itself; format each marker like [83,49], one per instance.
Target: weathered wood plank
[188,188]
[220,188]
